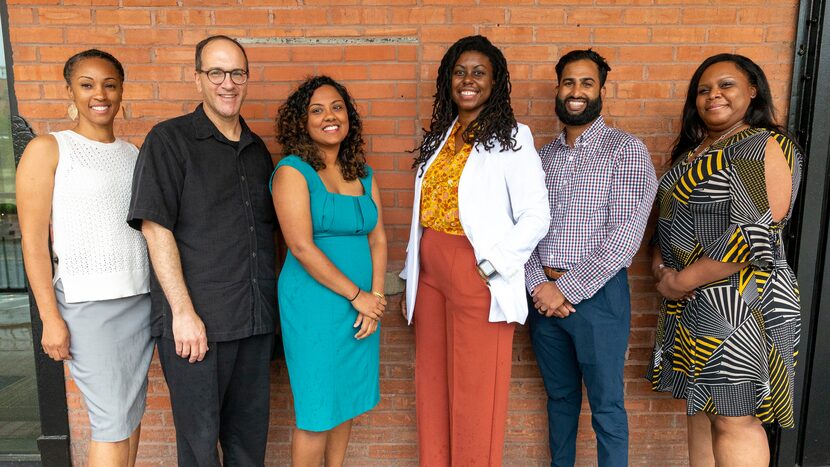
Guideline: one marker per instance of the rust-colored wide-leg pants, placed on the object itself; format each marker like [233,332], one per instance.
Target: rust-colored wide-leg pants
[462,361]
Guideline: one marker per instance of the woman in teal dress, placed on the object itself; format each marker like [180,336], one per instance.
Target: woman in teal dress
[331,285]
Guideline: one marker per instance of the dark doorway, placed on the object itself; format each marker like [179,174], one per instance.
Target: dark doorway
[19,409]
[33,418]
[809,444]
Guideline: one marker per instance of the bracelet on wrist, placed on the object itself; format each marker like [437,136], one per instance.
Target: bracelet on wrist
[379,295]
[355,295]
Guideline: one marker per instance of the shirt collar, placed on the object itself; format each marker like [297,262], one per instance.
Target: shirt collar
[204,128]
[596,129]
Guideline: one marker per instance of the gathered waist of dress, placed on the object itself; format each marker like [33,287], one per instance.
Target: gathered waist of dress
[340,237]
[355,244]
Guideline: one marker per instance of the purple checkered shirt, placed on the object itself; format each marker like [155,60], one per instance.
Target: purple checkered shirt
[600,194]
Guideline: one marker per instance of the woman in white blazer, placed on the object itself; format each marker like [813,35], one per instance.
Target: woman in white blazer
[479,210]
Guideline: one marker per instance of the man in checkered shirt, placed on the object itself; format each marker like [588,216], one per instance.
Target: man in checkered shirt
[601,186]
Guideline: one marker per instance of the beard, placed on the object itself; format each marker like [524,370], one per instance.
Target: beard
[588,114]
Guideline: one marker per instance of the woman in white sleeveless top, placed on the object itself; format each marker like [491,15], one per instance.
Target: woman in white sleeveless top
[95,307]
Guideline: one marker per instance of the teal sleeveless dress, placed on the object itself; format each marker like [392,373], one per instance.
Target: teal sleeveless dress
[334,377]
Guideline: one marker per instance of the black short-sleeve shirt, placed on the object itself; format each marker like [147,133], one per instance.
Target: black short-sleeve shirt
[213,195]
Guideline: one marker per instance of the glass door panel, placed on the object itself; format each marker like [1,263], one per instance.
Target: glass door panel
[19,413]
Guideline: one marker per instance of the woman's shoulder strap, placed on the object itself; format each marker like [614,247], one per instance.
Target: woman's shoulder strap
[367,180]
[297,163]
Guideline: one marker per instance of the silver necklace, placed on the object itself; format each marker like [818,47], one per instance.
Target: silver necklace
[694,154]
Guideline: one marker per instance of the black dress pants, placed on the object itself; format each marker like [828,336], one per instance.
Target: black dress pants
[224,398]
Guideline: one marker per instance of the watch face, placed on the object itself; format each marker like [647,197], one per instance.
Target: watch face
[487,268]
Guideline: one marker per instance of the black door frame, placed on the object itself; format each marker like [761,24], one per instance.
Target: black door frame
[53,442]
[809,443]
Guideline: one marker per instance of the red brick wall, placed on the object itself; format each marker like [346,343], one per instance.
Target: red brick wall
[652,45]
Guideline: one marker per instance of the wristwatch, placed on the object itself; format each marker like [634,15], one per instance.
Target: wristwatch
[486,270]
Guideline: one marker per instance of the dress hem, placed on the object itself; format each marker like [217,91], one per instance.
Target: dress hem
[329,427]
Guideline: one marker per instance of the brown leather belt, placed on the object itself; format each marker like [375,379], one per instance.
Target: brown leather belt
[554,273]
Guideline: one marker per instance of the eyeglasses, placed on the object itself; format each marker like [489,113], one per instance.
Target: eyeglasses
[217,75]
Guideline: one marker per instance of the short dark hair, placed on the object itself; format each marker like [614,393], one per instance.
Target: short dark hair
[575,55]
[760,113]
[204,42]
[292,131]
[69,66]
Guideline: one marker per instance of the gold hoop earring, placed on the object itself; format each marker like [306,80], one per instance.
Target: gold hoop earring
[72,111]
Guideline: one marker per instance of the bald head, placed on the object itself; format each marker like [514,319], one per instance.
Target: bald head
[205,42]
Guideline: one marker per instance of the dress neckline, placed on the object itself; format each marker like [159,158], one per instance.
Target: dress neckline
[719,145]
[326,189]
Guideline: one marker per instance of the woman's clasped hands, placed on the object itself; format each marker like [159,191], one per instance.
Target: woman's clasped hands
[669,285]
[370,307]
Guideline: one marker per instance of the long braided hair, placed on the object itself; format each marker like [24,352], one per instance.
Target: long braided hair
[495,123]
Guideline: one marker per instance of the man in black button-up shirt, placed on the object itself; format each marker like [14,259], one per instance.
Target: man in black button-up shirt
[201,199]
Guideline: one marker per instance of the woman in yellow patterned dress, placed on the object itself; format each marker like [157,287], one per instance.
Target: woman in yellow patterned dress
[728,330]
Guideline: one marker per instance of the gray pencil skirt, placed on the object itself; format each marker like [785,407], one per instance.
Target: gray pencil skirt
[111,351]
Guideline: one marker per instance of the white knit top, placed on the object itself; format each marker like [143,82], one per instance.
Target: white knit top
[99,256]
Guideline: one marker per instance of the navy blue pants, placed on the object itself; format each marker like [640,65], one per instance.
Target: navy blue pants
[588,346]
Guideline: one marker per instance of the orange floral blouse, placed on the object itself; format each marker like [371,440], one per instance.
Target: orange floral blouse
[439,191]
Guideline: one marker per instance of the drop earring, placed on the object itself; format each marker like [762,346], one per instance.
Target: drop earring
[72,111]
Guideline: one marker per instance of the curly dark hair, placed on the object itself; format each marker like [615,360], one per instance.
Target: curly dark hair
[760,113]
[72,62]
[292,132]
[495,123]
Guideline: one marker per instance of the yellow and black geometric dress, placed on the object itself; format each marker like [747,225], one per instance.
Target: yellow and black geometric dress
[731,350]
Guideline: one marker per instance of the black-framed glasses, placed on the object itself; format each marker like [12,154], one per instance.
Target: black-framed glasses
[217,75]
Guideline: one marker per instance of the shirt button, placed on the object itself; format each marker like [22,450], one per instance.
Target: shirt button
[242,178]
[570,158]
[564,182]
[253,280]
[553,231]
[253,255]
[247,203]
[251,228]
